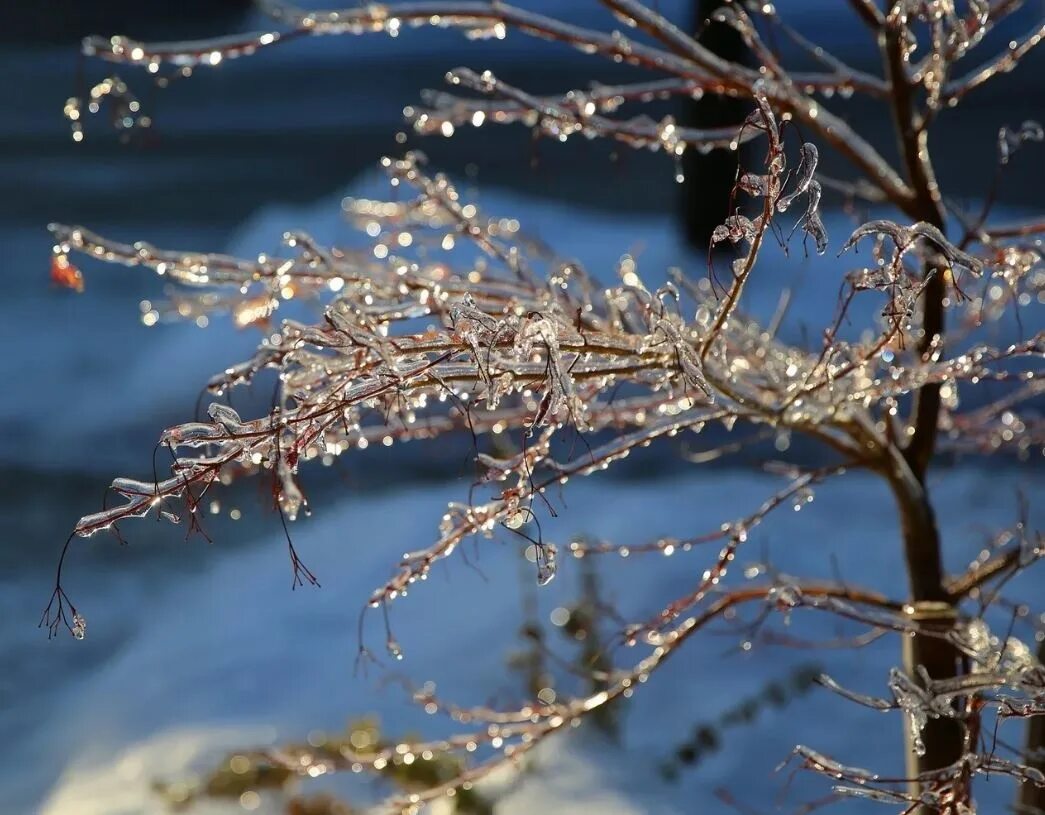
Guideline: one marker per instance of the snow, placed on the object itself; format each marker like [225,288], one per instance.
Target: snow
[230,657]
[181,665]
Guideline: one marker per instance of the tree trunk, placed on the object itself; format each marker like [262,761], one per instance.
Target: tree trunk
[942,739]
[1031,797]
[709,178]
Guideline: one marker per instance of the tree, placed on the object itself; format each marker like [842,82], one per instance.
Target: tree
[412,349]
[709,177]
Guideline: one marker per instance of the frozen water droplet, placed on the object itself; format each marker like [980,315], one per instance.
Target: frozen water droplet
[516,520]
[547,564]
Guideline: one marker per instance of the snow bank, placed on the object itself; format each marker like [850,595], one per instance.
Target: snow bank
[232,657]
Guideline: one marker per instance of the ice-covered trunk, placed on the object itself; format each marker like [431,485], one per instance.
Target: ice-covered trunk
[941,742]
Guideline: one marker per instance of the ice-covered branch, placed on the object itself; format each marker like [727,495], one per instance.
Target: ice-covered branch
[573,113]
[1016,50]
[681,57]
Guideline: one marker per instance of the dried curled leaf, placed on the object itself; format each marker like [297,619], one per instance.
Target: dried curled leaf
[65,274]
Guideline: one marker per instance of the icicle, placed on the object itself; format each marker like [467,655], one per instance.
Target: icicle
[803,177]
[547,563]
[1009,140]
[226,417]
